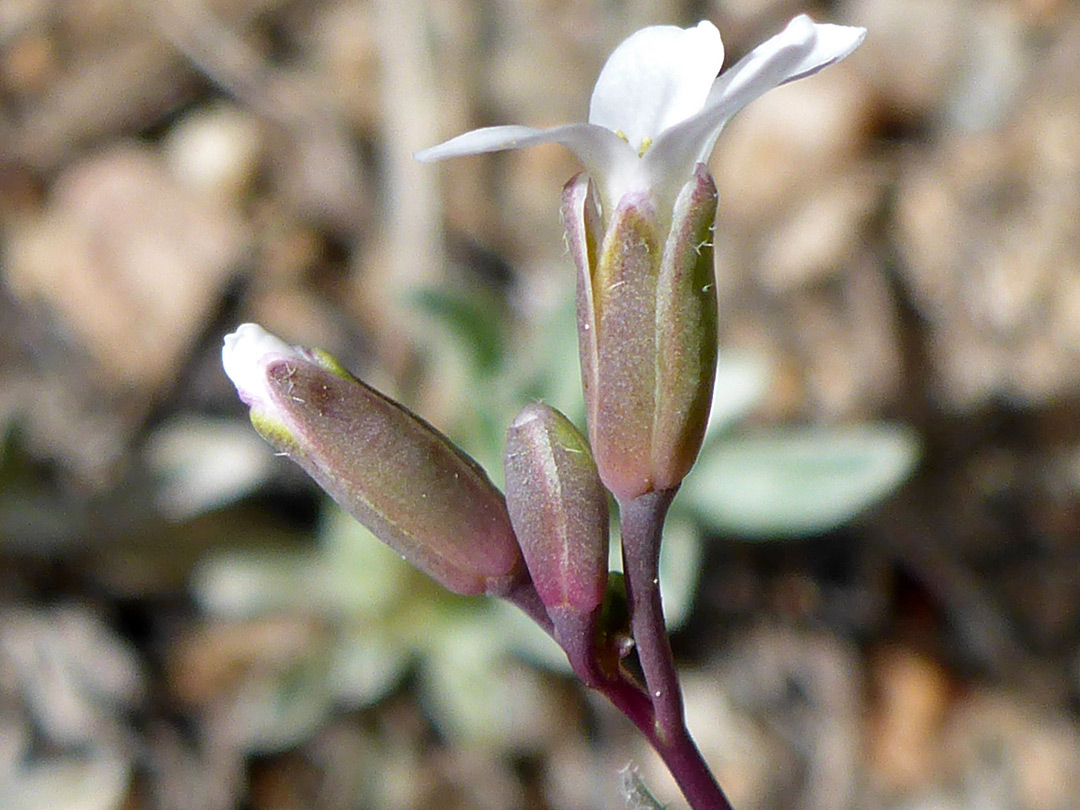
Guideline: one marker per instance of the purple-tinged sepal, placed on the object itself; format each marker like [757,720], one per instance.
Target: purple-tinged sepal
[559,511]
[392,471]
[647,330]
[686,333]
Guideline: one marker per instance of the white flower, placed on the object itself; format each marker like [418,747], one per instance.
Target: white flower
[658,104]
[245,355]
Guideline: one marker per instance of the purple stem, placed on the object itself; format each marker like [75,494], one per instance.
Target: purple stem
[657,713]
[642,527]
[599,669]
[525,597]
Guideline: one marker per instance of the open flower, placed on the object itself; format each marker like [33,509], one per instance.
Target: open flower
[639,225]
[658,104]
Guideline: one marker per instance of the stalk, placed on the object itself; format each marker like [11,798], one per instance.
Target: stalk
[642,527]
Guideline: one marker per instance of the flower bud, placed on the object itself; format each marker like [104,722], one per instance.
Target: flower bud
[393,472]
[559,510]
[647,330]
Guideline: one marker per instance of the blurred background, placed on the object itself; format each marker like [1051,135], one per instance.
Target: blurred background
[874,573]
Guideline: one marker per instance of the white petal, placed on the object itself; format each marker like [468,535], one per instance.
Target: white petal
[611,162]
[801,49]
[479,141]
[831,44]
[594,146]
[656,78]
[244,356]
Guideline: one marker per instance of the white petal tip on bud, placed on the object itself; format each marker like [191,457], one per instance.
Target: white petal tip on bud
[243,357]
[530,413]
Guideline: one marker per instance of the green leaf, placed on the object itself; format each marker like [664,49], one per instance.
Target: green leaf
[741,382]
[362,577]
[276,710]
[467,681]
[798,482]
[243,584]
[552,367]
[523,638]
[474,322]
[681,556]
[365,664]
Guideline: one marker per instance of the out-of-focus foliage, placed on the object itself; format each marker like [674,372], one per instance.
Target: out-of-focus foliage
[384,620]
[503,367]
[798,482]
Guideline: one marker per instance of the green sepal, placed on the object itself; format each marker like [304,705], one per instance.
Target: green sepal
[330,363]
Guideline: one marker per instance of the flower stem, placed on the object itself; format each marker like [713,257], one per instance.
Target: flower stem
[642,527]
[657,713]
[528,601]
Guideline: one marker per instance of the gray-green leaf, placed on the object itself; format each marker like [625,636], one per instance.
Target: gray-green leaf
[798,481]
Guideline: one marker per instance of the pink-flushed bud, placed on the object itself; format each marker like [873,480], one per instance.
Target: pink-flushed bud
[559,511]
[558,508]
[647,330]
[393,472]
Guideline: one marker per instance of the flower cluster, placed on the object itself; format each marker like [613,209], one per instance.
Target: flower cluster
[639,222]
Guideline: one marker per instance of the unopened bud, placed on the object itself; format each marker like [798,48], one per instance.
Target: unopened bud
[393,472]
[559,511]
